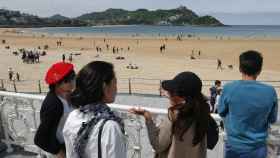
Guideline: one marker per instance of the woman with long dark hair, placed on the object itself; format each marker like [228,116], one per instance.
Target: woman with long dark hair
[184,133]
[93,130]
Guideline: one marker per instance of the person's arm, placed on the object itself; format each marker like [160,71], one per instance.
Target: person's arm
[113,143]
[45,136]
[160,137]
[274,110]
[222,106]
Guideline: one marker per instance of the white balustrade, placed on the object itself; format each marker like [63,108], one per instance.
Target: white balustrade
[20,119]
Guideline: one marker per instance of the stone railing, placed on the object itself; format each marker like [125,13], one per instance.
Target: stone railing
[20,119]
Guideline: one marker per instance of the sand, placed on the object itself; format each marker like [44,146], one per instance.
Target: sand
[144,53]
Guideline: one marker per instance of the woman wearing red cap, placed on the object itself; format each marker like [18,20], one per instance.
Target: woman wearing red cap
[55,109]
[183,134]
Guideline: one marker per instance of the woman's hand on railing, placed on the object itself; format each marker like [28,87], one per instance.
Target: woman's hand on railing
[139,111]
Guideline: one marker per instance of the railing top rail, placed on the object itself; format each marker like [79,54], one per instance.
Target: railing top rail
[22,95]
[114,106]
[160,111]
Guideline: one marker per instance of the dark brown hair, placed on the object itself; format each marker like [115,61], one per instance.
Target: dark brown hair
[195,112]
[90,83]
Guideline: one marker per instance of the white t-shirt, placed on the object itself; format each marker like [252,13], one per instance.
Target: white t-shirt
[66,111]
[217,101]
[113,141]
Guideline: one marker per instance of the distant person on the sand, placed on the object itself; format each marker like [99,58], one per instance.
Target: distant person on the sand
[219,64]
[3,41]
[59,43]
[162,48]
[63,57]
[248,108]
[114,50]
[11,73]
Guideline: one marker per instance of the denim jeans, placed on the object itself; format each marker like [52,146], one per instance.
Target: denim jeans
[260,152]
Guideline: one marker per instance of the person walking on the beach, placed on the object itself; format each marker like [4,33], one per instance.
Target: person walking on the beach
[11,73]
[59,43]
[55,109]
[184,133]
[94,130]
[63,57]
[219,64]
[248,107]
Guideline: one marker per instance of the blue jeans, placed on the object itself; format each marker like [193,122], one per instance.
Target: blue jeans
[260,152]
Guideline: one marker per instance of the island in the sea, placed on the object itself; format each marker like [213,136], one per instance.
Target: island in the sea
[174,17]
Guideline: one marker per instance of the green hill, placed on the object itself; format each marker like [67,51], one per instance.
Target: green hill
[178,16]
[10,18]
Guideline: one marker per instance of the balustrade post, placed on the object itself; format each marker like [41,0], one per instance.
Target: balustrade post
[160,88]
[39,87]
[15,87]
[129,86]
[2,84]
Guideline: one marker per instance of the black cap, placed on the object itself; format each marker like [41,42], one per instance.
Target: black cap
[186,84]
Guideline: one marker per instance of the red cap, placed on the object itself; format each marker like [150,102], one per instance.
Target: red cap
[57,72]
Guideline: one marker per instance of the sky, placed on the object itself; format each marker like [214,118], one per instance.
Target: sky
[73,8]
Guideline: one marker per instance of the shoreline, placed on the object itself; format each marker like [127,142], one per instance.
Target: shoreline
[22,32]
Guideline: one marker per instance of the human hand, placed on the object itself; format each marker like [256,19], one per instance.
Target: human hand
[139,111]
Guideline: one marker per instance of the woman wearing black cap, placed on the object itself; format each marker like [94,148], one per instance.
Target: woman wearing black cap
[183,133]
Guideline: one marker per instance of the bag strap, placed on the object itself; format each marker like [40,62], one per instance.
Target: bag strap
[99,138]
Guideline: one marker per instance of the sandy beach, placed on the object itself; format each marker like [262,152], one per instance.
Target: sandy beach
[144,52]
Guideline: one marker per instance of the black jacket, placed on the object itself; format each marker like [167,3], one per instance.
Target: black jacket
[50,114]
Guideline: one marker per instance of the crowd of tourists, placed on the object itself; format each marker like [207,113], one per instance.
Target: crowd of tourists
[77,121]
